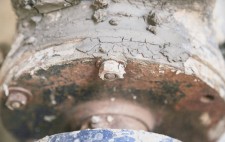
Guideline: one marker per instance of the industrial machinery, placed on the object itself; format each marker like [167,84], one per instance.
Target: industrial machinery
[118,70]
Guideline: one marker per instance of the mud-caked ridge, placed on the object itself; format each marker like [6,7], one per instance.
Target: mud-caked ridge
[28,8]
[100,10]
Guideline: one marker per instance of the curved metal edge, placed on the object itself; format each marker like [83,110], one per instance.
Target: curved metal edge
[108,135]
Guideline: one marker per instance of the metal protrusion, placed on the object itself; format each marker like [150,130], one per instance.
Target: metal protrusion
[111,70]
[109,118]
[114,121]
[95,119]
[207,98]
[15,105]
[17,98]
[110,76]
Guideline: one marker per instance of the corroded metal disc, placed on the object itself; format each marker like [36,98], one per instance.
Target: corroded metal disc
[182,105]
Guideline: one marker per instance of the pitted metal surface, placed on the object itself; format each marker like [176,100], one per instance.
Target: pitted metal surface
[172,96]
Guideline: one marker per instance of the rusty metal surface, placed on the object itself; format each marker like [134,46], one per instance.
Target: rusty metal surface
[119,113]
[183,105]
[112,121]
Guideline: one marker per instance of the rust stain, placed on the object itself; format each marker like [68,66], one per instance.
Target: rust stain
[171,96]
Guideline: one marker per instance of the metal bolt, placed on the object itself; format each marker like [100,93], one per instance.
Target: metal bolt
[111,70]
[17,98]
[16,105]
[110,76]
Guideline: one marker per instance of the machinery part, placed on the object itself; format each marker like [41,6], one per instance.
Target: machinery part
[173,69]
[111,114]
[111,70]
[108,135]
[16,101]
[113,120]
[170,100]
[17,97]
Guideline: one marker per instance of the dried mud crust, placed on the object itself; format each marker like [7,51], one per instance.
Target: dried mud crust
[148,30]
[26,8]
[46,6]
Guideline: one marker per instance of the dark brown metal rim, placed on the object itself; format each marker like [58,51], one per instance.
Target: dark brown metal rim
[179,102]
